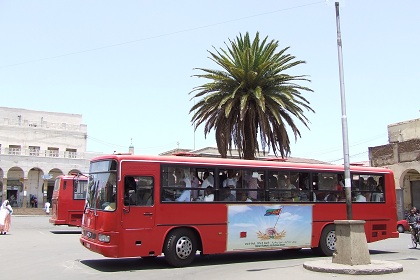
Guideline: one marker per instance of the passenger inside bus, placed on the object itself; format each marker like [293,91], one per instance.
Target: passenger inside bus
[359,197]
[209,194]
[243,196]
[378,194]
[227,195]
[208,181]
[186,193]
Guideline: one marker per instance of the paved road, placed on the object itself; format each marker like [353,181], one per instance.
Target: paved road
[34,250]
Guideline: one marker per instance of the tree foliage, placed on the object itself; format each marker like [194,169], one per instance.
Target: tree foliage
[251,97]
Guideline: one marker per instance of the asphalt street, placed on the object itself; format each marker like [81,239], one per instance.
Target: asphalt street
[35,249]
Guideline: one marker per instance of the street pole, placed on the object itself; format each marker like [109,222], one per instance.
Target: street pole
[347,180]
[351,246]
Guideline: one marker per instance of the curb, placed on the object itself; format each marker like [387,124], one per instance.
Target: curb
[374,268]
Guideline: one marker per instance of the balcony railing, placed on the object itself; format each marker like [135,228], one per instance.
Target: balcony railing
[45,125]
[42,153]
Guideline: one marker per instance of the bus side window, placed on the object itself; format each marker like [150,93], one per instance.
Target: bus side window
[378,193]
[129,191]
[145,191]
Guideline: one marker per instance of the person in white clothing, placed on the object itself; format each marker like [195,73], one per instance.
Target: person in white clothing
[6,211]
[231,181]
[47,208]
[359,197]
[209,194]
[208,181]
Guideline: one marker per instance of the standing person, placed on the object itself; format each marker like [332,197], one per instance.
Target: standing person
[252,180]
[5,217]
[231,181]
[208,181]
[195,184]
[47,208]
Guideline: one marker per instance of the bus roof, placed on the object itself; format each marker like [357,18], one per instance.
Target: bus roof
[209,161]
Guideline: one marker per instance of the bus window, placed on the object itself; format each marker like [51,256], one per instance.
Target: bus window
[101,191]
[283,186]
[130,191]
[79,188]
[326,187]
[367,188]
[305,193]
[185,184]
[145,190]
[378,190]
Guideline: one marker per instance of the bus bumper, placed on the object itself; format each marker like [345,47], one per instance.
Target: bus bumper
[57,222]
[106,250]
[395,234]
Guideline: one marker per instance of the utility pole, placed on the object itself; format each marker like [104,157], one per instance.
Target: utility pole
[351,246]
[347,179]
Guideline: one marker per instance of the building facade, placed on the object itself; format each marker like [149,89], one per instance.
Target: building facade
[402,156]
[36,147]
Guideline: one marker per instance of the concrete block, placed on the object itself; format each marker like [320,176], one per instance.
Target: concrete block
[351,244]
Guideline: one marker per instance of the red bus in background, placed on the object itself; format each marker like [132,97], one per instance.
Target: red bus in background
[68,200]
[146,206]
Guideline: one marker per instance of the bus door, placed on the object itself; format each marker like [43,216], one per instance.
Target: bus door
[138,211]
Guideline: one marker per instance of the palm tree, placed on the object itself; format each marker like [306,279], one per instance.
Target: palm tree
[251,98]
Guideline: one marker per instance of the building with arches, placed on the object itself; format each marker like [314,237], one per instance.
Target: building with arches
[36,147]
[402,156]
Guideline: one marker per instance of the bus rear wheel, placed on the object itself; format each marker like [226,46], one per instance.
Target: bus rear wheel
[327,242]
[180,247]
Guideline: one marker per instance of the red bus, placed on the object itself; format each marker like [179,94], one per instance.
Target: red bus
[146,206]
[68,200]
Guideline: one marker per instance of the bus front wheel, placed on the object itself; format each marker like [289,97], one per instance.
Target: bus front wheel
[327,242]
[180,247]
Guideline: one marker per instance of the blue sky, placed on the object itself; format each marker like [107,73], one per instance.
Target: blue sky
[127,66]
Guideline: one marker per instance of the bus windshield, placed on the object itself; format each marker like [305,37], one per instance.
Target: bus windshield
[102,190]
[102,186]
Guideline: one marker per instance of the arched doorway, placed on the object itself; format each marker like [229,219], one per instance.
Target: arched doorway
[35,187]
[52,174]
[14,187]
[410,182]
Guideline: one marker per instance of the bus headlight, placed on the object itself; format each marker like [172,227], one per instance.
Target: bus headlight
[104,238]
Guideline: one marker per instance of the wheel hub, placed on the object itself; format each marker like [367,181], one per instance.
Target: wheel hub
[331,240]
[184,248]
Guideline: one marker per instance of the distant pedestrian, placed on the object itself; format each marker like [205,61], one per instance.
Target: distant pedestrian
[47,208]
[5,217]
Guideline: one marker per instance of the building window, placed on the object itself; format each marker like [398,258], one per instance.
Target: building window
[14,150]
[52,152]
[71,153]
[34,151]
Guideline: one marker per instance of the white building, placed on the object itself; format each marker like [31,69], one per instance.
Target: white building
[36,147]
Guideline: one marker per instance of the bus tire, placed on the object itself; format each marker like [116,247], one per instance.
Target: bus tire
[326,242]
[400,229]
[180,247]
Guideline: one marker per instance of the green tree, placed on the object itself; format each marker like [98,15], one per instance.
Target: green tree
[251,98]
